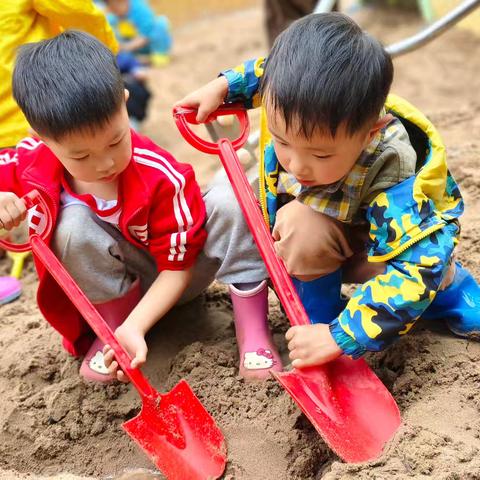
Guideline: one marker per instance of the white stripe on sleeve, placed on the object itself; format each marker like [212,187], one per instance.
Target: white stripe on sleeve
[180,206]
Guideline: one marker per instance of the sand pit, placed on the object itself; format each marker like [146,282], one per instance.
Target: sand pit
[52,425]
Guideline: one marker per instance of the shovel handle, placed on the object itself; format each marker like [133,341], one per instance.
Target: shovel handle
[31,199]
[90,314]
[185,115]
[249,205]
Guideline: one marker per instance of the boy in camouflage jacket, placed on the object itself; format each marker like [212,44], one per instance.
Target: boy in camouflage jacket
[355,187]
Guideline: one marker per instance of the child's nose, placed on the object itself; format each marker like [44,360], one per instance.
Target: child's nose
[106,164]
[298,168]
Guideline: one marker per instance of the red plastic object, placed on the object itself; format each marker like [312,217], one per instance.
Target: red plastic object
[184,116]
[344,400]
[31,200]
[174,429]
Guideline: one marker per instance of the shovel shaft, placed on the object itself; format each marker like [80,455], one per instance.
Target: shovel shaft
[91,315]
[276,268]
[37,244]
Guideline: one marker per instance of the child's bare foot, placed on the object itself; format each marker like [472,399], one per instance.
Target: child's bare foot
[311,345]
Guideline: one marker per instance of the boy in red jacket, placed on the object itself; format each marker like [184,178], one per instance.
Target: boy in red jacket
[128,218]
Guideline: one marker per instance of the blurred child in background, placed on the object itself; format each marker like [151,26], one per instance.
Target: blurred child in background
[279,14]
[139,30]
[134,76]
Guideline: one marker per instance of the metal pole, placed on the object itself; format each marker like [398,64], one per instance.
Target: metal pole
[434,30]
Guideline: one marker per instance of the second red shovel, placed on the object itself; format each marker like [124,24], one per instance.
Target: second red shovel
[344,399]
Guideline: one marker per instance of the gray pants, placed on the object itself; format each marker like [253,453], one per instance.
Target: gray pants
[104,264]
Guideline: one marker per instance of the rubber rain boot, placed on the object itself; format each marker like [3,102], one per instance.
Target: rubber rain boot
[458,304]
[258,354]
[10,289]
[114,312]
[322,298]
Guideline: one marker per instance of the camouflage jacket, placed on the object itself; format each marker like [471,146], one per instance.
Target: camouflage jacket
[413,227]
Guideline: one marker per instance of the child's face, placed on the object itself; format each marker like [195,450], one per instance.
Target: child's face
[321,159]
[98,157]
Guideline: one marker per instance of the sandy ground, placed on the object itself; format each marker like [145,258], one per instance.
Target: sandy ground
[51,422]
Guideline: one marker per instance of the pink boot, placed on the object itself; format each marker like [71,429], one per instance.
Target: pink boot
[114,313]
[258,354]
[10,289]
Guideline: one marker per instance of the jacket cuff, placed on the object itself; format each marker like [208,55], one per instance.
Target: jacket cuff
[235,84]
[349,346]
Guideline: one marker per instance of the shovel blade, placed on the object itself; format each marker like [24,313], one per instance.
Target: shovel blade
[180,436]
[347,404]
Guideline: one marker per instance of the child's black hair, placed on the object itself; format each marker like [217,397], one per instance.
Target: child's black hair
[66,84]
[324,71]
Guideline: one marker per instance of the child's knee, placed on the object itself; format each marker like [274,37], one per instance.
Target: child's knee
[310,243]
[223,210]
[74,229]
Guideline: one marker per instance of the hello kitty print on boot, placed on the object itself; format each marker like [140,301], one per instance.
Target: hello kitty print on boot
[258,360]
[114,312]
[258,354]
[97,364]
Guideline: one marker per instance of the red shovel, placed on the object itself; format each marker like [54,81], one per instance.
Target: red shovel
[174,429]
[344,400]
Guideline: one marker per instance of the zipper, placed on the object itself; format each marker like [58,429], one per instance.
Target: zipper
[406,246]
[261,175]
[123,224]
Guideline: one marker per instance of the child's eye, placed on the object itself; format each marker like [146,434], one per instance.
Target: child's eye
[80,158]
[322,157]
[117,142]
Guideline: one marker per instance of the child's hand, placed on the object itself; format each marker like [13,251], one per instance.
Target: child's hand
[311,345]
[12,210]
[133,340]
[207,98]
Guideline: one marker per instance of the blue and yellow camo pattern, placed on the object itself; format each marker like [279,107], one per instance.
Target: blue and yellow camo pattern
[413,228]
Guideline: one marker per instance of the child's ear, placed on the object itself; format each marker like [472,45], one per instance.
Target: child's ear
[127,94]
[382,122]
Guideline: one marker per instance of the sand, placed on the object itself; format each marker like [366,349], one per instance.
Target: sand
[53,425]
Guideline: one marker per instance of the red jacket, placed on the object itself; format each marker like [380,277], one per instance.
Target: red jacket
[162,211]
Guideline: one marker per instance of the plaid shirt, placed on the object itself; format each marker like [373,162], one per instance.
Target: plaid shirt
[342,200]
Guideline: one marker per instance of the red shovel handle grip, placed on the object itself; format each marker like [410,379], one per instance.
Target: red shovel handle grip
[31,199]
[185,115]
